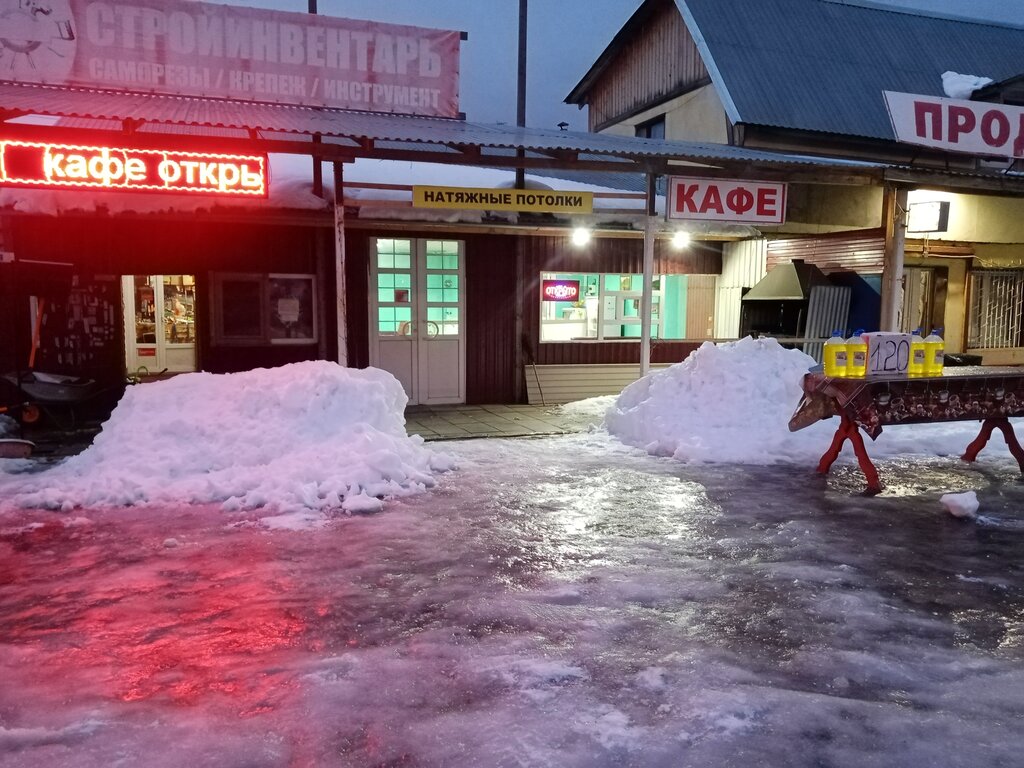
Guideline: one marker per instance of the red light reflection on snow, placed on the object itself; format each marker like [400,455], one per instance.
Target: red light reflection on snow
[209,624]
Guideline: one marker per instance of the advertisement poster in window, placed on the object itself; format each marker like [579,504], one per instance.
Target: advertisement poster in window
[292,305]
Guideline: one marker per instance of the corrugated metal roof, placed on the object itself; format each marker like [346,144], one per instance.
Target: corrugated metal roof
[820,65]
[408,132]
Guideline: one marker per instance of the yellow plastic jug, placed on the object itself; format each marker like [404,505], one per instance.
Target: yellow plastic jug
[835,355]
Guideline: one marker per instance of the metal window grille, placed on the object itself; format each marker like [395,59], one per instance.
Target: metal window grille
[997,300]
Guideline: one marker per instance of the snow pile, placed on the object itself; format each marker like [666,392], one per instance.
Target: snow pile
[731,403]
[961,504]
[8,426]
[724,403]
[958,86]
[302,439]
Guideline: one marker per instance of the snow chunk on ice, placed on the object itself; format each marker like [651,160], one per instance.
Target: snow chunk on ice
[724,403]
[301,440]
[961,504]
[958,86]
[593,407]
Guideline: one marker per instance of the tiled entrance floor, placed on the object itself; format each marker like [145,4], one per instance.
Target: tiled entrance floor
[451,422]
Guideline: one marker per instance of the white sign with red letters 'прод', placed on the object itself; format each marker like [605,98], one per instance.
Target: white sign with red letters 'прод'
[744,202]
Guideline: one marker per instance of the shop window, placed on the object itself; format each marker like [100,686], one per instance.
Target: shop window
[264,309]
[997,300]
[606,307]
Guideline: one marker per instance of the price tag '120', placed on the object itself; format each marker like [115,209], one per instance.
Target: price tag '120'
[888,354]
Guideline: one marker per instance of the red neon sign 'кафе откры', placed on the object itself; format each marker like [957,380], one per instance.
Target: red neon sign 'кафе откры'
[67,166]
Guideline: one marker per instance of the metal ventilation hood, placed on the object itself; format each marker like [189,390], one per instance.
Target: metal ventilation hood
[788,282]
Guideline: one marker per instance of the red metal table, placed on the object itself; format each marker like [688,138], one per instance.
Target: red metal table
[989,395]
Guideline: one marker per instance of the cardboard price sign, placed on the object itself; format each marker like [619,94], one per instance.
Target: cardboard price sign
[888,354]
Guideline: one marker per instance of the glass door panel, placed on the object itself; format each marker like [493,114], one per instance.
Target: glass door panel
[179,309]
[159,321]
[145,309]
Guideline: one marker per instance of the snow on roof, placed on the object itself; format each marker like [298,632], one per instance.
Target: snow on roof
[958,86]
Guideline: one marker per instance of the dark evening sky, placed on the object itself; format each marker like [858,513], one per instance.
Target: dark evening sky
[565,37]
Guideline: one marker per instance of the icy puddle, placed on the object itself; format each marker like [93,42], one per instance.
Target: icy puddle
[557,602]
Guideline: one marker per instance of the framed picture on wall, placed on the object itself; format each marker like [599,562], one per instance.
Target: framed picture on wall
[292,309]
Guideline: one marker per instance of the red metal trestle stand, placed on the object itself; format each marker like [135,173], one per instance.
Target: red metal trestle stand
[1004,426]
[848,430]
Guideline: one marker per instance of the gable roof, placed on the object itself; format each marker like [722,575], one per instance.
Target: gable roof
[632,27]
[820,65]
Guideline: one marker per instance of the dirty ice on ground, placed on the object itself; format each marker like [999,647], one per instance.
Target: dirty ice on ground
[679,590]
[565,602]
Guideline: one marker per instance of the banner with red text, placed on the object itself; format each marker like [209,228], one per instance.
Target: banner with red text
[207,50]
[957,125]
[746,202]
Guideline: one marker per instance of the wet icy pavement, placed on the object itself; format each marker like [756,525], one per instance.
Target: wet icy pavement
[556,602]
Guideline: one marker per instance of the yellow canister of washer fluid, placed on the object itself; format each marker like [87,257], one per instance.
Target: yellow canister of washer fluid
[835,357]
[857,355]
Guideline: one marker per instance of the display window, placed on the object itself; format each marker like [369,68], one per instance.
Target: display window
[606,307]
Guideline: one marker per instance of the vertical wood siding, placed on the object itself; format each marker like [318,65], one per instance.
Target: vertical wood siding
[700,307]
[743,264]
[660,61]
[490,319]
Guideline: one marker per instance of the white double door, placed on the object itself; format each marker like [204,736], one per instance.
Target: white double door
[417,316]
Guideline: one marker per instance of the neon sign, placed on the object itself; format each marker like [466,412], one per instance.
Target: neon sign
[71,166]
[560,290]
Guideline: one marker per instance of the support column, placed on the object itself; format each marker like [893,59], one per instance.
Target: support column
[519,362]
[341,302]
[895,213]
[646,299]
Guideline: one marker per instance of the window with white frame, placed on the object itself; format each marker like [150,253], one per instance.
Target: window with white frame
[606,307]
[997,301]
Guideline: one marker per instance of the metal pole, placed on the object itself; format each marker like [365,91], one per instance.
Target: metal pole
[895,209]
[521,89]
[339,263]
[318,168]
[646,298]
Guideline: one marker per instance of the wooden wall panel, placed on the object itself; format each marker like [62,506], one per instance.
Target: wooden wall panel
[491,319]
[660,62]
[861,251]
[700,307]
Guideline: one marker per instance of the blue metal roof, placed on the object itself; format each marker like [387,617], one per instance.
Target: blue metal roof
[820,65]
